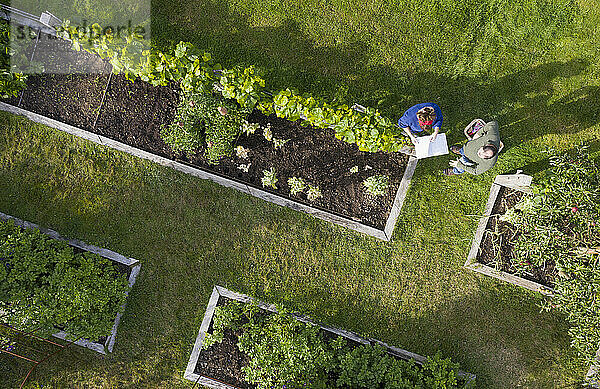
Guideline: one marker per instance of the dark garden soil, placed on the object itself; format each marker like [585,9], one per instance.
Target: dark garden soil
[134,112]
[497,246]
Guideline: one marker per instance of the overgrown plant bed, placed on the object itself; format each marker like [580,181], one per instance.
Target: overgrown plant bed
[332,172]
[492,250]
[127,267]
[547,238]
[221,364]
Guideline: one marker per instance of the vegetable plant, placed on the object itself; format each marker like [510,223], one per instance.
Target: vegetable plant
[313,193]
[44,284]
[269,178]
[377,185]
[559,228]
[200,122]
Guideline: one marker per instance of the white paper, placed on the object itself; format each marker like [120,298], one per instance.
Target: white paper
[424,148]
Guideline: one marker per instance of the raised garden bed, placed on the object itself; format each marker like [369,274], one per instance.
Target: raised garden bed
[113,111]
[219,366]
[129,266]
[493,241]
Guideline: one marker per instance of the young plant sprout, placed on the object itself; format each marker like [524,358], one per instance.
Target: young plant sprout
[249,128]
[269,178]
[313,193]
[244,167]
[354,169]
[267,133]
[278,143]
[296,184]
[377,185]
[241,152]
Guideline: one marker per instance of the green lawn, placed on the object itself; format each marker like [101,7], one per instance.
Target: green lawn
[529,68]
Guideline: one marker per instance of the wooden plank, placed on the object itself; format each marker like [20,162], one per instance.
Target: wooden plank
[400,197]
[202,174]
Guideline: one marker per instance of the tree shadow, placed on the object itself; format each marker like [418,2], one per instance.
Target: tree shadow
[521,102]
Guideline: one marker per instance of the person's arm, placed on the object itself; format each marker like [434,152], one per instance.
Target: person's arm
[409,134]
[469,169]
[436,131]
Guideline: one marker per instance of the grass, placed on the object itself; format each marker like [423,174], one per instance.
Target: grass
[529,65]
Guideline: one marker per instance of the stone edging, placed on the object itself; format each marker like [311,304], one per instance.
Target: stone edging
[385,234]
[515,181]
[132,263]
[220,291]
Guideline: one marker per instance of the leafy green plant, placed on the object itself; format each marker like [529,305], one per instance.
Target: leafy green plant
[242,84]
[296,185]
[267,133]
[249,128]
[200,121]
[313,193]
[377,185]
[44,284]
[287,353]
[11,60]
[269,178]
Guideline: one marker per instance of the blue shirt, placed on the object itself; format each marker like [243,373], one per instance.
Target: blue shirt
[409,119]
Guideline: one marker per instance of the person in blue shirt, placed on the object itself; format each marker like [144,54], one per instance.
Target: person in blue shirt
[419,118]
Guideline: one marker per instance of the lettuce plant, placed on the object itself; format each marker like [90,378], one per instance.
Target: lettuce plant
[377,185]
[296,185]
[269,178]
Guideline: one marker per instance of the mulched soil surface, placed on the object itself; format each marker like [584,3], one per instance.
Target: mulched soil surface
[134,112]
[498,250]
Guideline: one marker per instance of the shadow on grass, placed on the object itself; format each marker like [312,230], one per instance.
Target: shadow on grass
[519,101]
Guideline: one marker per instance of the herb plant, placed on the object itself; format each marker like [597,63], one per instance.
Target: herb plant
[44,284]
[269,178]
[377,185]
[296,185]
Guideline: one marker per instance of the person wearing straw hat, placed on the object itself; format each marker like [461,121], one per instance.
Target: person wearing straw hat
[420,118]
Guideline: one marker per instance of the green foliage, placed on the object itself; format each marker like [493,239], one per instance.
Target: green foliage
[287,353]
[313,193]
[269,178]
[296,185]
[11,81]
[370,131]
[377,185]
[195,72]
[560,226]
[130,55]
[242,84]
[44,284]
[199,122]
